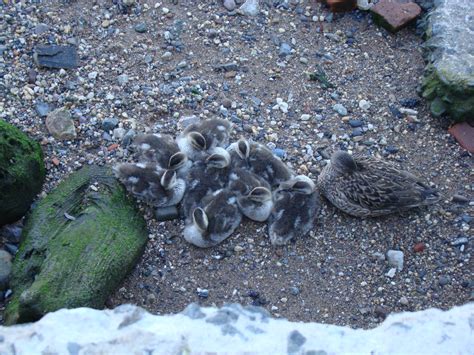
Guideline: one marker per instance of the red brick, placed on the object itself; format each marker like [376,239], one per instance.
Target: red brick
[395,14]
[341,5]
[464,134]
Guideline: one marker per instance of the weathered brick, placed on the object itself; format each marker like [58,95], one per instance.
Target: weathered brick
[395,14]
[341,5]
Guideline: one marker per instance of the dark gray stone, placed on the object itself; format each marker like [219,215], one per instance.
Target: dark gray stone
[109,123]
[53,56]
[141,27]
[42,108]
[166,213]
[285,50]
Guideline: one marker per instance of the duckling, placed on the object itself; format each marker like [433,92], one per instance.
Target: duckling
[296,207]
[150,183]
[215,222]
[260,160]
[199,139]
[369,187]
[205,177]
[254,197]
[163,150]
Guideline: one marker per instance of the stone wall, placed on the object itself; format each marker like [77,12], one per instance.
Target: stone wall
[235,329]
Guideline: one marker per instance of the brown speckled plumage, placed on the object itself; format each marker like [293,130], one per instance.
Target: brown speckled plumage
[369,187]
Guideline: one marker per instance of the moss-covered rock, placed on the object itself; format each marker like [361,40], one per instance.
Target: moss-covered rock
[448,82]
[77,246]
[22,172]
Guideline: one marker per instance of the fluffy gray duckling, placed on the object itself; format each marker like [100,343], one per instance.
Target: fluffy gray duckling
[205,177]
[150,183]
[369,187]
[163,150]
[254,196]
[296,208]
[199,139]
[215,222]
[260,160]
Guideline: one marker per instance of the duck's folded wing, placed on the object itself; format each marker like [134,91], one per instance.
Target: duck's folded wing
[395,190]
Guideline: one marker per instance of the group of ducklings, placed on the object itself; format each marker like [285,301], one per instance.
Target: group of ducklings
[217,183]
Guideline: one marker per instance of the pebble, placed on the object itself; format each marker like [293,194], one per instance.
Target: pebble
[444,280]
[128,137]
[295,291]
[141,27]
[167,56]
[419,247]
[60,124]
[285,50]
[230,5]
[92,75]
[395,259]
[42,109]
[281,105]
[122,79]
[305,117]
[340,109]
[460,199]
[459,241]
[109,123]
[249,8]
[119,133]
[202,292]
[403,300]
[356,123]
[391,273]
[280,153]
[364,105]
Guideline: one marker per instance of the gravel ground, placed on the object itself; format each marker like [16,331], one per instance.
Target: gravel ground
[160,63]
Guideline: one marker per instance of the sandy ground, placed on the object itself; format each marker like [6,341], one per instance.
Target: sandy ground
[337,273]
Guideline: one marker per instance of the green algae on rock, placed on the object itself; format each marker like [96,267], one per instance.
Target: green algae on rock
[77,246]
[449,76]
[22,172]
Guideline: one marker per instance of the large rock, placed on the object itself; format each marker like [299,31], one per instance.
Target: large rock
[77,246]
[22,172]
[449,76]
[234,329]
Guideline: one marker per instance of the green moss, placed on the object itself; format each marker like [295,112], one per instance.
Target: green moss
[65,264]
[455,100]
[22,172]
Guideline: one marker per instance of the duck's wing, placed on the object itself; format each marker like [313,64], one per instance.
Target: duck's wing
[225,216]
[382,188]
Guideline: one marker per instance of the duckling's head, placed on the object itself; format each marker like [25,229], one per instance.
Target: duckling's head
[177,160]
[260,194]
[196,232]
[197,141]
[343,162]
[301,184]
[168,179]
[243,148]
[219,158]
[200,220]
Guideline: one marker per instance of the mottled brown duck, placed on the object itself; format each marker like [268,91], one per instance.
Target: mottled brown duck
[369,187]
